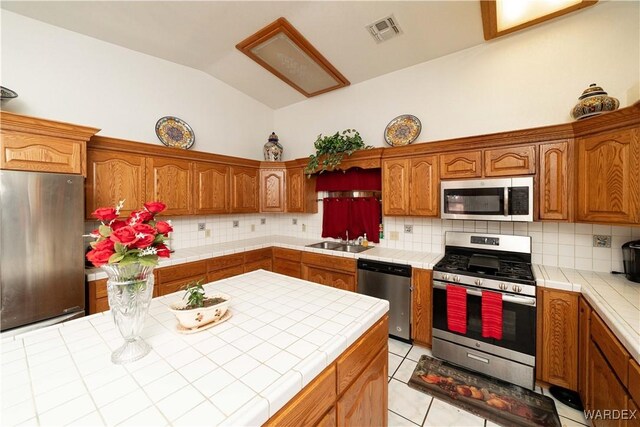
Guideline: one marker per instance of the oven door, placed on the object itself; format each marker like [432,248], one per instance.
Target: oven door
[476,199]
[518,328]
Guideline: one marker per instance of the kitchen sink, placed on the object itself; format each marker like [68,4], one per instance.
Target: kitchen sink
[341,247]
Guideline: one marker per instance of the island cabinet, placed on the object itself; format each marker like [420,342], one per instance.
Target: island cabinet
[555,170]
[422,306]
[32,144]
[337,272]
[351,391]
[272,190]
[170,181]
[287,262]
[558,338]
[410,187]
[211,188]
[608,177]
[244,189]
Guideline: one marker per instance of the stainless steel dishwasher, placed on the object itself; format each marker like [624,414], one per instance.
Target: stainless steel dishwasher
[391,282]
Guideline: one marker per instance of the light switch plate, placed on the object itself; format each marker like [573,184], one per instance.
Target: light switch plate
[304,228]
[394,235]
[207,233]
[253,227]
[601,241]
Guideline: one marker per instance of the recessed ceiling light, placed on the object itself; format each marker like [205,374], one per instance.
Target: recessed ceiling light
[283,51]
[501,17]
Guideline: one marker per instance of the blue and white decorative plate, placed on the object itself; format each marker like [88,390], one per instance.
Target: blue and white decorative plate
[175,132]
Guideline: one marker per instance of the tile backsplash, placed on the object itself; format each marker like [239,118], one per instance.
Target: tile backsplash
[553,244]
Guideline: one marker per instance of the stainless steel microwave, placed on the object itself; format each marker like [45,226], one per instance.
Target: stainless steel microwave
[491,199]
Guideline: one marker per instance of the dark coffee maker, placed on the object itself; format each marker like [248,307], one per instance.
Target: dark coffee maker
[631,257]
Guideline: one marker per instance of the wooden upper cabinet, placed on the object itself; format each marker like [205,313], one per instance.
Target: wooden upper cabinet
[272,190]
[553,181]
[395,186]
[33,144]
[244,189]
[424,185]
[300,191]
[113,176]
[510,161]
[467,164]
[211,188]
[560,338]
[609,177]
[170,181]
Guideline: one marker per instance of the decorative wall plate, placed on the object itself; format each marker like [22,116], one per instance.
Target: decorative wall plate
[6,93]
[402,130]
[175,132]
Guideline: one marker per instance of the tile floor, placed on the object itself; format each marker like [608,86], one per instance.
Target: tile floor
[409,407]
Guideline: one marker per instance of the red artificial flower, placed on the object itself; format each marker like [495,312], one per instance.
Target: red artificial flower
[164,227]
[118,224]
[155,207]
[105,214]
[95,232]
[99,257]
[125,235]
[105,245]
[140,216]
[144,242]
[144,228]
[162,250]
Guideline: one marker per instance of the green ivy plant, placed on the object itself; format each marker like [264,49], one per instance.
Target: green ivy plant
[330,150]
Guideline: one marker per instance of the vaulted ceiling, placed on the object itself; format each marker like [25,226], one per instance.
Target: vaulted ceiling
[203,34]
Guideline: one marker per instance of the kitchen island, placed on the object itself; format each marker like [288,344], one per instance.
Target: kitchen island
[293,352]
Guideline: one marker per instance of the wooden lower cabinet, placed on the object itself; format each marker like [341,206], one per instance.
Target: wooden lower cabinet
[422,313]
[559,347]
[360,405]
[262,264]
[287,267]
[225,273]
[352,391]
[337,272]
[584,338]
[178,285]
[605,391]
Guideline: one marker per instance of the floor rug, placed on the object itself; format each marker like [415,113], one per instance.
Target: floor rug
[498,401]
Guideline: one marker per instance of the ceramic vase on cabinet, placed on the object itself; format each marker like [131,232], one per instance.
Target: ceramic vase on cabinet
[273,149]
[130,289]
[594,100]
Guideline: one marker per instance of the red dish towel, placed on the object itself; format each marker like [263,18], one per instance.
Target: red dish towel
[457,309]
[492,315]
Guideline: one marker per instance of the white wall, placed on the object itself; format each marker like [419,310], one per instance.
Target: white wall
[531,78]
[67,76]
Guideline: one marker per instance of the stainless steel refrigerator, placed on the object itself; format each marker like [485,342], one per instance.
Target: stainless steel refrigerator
[41,248]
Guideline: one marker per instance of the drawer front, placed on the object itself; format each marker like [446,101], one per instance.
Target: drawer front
[182,271]
[178,285]
[288,268]
[615,353]
[510,161]
[634,381]
[222,262]
[225,273]
[329,262]
[308,406]
[289,254]
[352,362]
[263,264]
[257,255]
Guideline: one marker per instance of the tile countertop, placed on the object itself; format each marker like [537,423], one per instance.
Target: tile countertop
[612,296]
[180,256]
[283,332]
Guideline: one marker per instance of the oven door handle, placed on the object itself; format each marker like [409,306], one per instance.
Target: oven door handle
[505,297]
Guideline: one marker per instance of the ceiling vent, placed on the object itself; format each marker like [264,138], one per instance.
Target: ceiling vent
[384,29]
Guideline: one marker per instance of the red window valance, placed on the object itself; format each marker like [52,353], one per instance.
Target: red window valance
[354,179]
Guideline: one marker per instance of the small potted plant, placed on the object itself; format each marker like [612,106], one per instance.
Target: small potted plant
[199,310]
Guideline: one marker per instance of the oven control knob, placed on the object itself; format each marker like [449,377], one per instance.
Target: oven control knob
[478,282]
[516,288]
[456,278]
[445,276]
[502,286]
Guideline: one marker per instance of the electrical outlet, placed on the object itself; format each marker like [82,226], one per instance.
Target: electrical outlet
[236,223]
[253,227]
[304,228]
[394,235]
[408,229]
[294,221]
[600,241]
[263,221]
[201,226]
[207,233]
